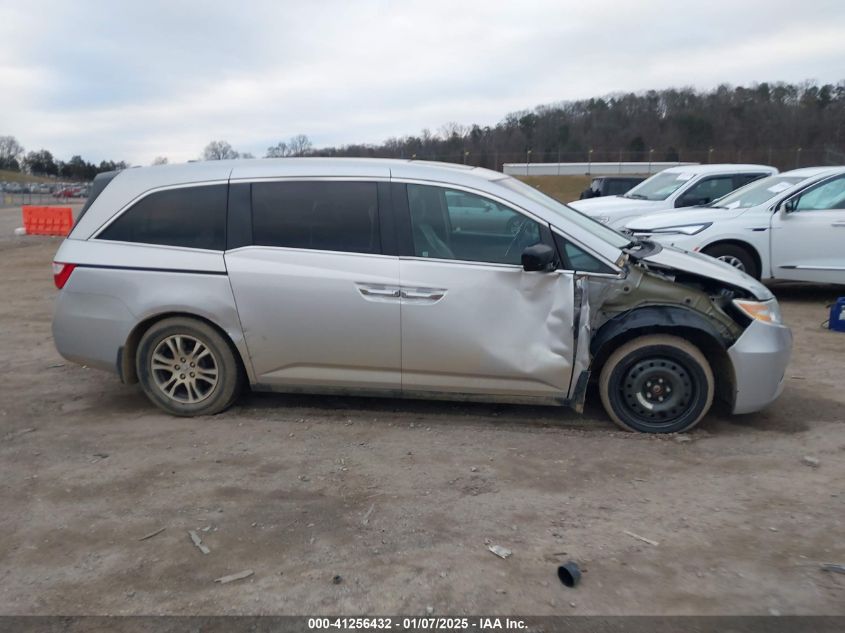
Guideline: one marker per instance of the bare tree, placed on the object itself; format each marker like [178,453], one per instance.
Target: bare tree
[299,145]
[279,150]
[219,150]
[10,153]
[160,160]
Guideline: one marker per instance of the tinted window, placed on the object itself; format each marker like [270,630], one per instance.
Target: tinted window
[193,217]
[740,180]
[450,224]
[329,216]
[706,191]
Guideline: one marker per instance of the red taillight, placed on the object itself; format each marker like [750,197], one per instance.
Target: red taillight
[61,273]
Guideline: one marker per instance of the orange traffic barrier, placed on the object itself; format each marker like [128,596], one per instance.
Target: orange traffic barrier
[47,220]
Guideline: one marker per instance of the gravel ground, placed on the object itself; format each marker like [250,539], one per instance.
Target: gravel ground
[401,498]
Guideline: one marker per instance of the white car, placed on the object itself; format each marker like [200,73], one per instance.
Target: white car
[683,186]
[788,226]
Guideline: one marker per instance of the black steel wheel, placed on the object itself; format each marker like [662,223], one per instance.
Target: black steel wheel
[657,384]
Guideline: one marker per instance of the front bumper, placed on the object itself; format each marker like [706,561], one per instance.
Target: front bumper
[759,358]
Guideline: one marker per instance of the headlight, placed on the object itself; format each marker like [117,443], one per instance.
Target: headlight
[683,229]
[766,311]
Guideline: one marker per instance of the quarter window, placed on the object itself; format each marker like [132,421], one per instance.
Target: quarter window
[319,215]
[577,259]
[451,224]
[190,217]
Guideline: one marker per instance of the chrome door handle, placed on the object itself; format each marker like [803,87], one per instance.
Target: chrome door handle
[391,292]
[424,294]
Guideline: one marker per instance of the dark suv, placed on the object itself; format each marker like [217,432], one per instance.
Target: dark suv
[610,186]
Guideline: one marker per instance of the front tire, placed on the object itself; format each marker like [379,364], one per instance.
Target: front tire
[737,256]
[657,384]
[187,368]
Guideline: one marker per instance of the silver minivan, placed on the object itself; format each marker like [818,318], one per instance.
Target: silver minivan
[400,278]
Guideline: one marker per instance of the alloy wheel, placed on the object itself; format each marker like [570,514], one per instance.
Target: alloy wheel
[184,369]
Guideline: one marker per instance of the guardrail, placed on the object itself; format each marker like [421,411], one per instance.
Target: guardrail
[589,169]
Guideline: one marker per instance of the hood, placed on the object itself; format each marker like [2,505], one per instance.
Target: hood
[679,217]
[705,266]
[615,206]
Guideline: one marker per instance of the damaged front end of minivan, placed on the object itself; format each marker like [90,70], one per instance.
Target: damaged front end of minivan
[730,317]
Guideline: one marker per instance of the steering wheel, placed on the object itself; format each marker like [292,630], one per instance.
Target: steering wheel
[517,238]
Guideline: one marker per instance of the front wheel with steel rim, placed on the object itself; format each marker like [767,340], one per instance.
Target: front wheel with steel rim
[657,384]
[187,368]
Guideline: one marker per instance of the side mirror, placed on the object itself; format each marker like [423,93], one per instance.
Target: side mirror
[790,205]
[538,257]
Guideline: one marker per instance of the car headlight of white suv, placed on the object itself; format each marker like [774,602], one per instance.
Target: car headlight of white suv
[683,229]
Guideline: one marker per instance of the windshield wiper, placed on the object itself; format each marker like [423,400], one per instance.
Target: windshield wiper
[635,196]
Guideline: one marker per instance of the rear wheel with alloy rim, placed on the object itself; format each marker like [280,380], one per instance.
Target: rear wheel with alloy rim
[657,384]
[187,368]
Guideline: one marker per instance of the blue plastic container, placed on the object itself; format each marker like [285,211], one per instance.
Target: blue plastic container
[837,315]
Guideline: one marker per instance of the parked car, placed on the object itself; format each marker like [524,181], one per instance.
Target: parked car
[682,186]
[789,226]
[609,186]
[366,276]
[69,192]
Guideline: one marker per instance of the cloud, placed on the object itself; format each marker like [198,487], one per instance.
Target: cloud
[136,80]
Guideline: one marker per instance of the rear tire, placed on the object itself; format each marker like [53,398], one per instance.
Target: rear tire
[657,384]
[187,368]
[737,256]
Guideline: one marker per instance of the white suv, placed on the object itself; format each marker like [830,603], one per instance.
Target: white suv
[683,186]
[789,226]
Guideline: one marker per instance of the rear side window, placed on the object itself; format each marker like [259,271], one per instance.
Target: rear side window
[191,217]
[318,215]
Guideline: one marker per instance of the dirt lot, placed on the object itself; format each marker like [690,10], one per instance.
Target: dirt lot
[399,498]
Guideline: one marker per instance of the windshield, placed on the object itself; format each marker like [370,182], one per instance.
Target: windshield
[757,192]
[568,213]
[659,187]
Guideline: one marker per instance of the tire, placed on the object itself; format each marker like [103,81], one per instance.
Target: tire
[737,256]
[642,371]
[171,382]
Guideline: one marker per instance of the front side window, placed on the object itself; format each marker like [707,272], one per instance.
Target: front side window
[451,224]
[823,197]
[190,217]
[706,191]
[567,214]
[318,215]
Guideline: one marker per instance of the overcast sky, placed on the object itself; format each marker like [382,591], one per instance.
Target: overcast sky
[133,80]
